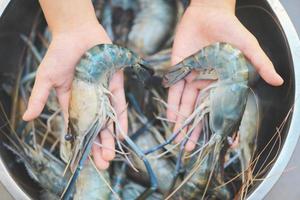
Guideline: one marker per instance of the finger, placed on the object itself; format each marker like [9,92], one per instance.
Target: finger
[191,144]
[200,84]
[63,99]
[108,142]
[260,60]
[119,101]
[174,96]
[99,161]
[187,104]
[191,77]
[38,98]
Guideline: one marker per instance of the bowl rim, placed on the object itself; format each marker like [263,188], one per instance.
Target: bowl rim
[291,140]
[3,5]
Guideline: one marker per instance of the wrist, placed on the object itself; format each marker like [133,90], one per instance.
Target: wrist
[228,5]
[76,26]
[69,16]
[82,37]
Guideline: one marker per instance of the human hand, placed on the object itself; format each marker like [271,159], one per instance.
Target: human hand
[70,40]
[203,23]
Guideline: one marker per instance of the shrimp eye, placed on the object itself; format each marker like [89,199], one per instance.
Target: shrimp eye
[68,137]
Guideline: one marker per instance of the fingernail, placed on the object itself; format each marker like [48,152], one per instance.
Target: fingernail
[279,79]
[25,116]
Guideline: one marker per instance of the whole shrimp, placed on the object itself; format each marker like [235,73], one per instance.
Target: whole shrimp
[153,25]
[90,107]
[223,103]
[41,165]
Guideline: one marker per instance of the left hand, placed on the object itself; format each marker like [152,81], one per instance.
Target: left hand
[75,29]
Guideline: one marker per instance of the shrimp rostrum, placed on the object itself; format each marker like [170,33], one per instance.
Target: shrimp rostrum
[90,107]
[222,103]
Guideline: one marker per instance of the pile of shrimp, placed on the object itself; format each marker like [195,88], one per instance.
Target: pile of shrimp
[148,165]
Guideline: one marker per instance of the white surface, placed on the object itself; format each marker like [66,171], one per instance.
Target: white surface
[293,9]
[4,194]
[3,4]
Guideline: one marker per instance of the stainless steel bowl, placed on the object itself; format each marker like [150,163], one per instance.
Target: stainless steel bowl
[267,20]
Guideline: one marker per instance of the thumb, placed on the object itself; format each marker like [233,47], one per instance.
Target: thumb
[38,98]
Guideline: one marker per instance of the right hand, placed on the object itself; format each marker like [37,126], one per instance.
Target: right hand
[206,22]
